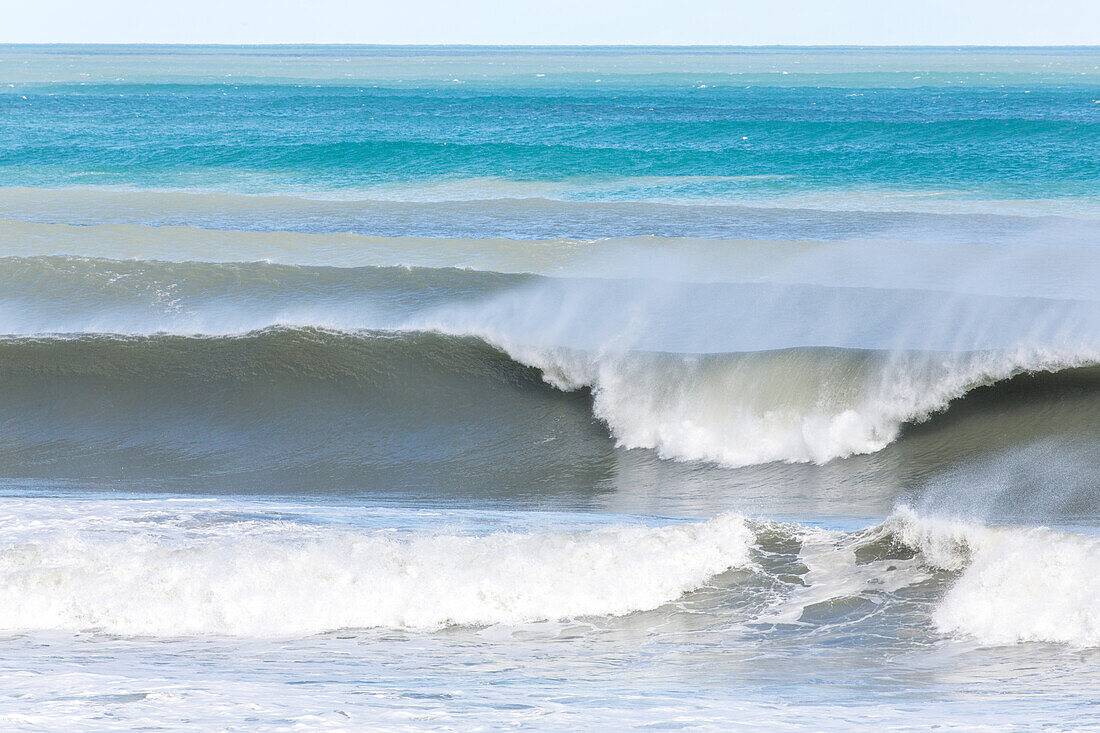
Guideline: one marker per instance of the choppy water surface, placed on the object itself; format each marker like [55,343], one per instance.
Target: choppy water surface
[348,388]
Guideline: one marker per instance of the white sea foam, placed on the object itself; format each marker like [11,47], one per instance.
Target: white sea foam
[288,579]
[162,571]
[1015,584]
[795,406]
[1006,584]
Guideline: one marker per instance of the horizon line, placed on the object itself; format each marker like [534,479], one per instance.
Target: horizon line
[313,44]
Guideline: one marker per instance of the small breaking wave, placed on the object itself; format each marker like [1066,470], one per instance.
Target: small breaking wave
[287,579]
[986,584]
[1014,584]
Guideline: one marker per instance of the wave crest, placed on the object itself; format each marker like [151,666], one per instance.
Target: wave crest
[793,405]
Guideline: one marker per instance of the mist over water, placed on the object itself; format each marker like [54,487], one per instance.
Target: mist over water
[393,388]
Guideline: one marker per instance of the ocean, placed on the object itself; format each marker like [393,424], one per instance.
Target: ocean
[466,388]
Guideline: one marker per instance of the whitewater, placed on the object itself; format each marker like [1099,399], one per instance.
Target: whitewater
[602,389]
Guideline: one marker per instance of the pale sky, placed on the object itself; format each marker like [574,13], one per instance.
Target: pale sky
[732,22]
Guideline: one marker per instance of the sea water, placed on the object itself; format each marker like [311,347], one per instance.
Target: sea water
[395,388]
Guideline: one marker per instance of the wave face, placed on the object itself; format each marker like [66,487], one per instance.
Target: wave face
[371,404]
[316,404]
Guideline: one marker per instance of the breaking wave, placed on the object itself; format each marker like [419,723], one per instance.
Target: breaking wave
[361,389]
[1014,584]
[795,405]
[170,570]
[286,579]
[733,373]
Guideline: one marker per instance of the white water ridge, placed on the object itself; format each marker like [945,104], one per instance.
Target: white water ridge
[277,578]
[173,569]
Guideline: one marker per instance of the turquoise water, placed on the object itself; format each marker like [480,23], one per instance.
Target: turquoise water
[386,388]
[662,124]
